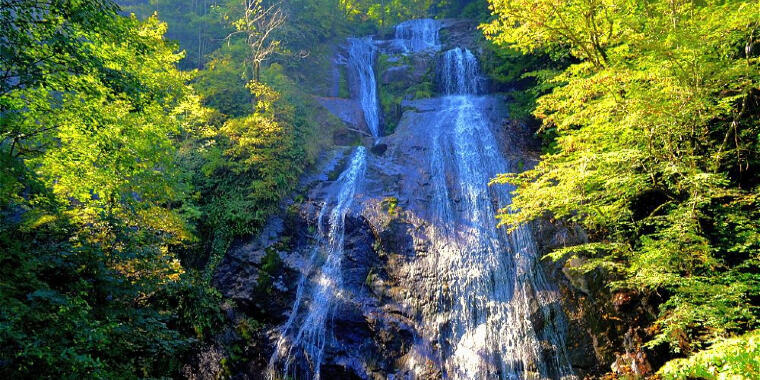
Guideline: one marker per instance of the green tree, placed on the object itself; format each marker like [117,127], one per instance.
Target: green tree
[92,109]
[656,150]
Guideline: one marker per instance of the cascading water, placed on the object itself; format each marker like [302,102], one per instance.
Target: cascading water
[465,299]
[361,58]
[304,336]
[488,285]
[459,73]
[418,35]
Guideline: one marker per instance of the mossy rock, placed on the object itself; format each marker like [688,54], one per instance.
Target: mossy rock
[407,78]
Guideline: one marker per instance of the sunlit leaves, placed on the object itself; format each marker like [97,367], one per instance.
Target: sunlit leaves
[91,111]
[733,358]
[654,148]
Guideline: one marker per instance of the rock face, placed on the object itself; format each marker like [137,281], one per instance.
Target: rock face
[253,275]
[206,364]
[602,322]
[347,110]
[422,283]
[398,74]
[461,33]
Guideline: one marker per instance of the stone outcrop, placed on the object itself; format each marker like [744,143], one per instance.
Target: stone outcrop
[459,33]
[602,321]
[398,74]
[347,110]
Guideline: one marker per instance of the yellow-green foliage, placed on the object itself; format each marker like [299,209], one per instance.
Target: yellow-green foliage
[388,12]
[119,182]
[251,162]
[735,358]
[391,206]
[656,149]
[95,200]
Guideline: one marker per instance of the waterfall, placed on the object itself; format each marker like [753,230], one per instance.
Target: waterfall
[494,276]
[459,73]
[361,58]
[495,315]
[462,298]
[418,35]
[305,334]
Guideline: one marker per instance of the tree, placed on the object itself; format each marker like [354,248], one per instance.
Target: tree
[198,25]
[92,109]
[258,24]
[587,27]
[656,150]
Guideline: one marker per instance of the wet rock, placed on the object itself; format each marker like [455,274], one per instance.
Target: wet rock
[339,372]
[580,350]
[379,149]
[400,75]
[360,257]
[392,332]
[624,300]
[600,322]
[350,328]
[421,65]
[552,234]
[388,45]
[459,33]
[381,325]
[398,238]
[536,315]
[574,272]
